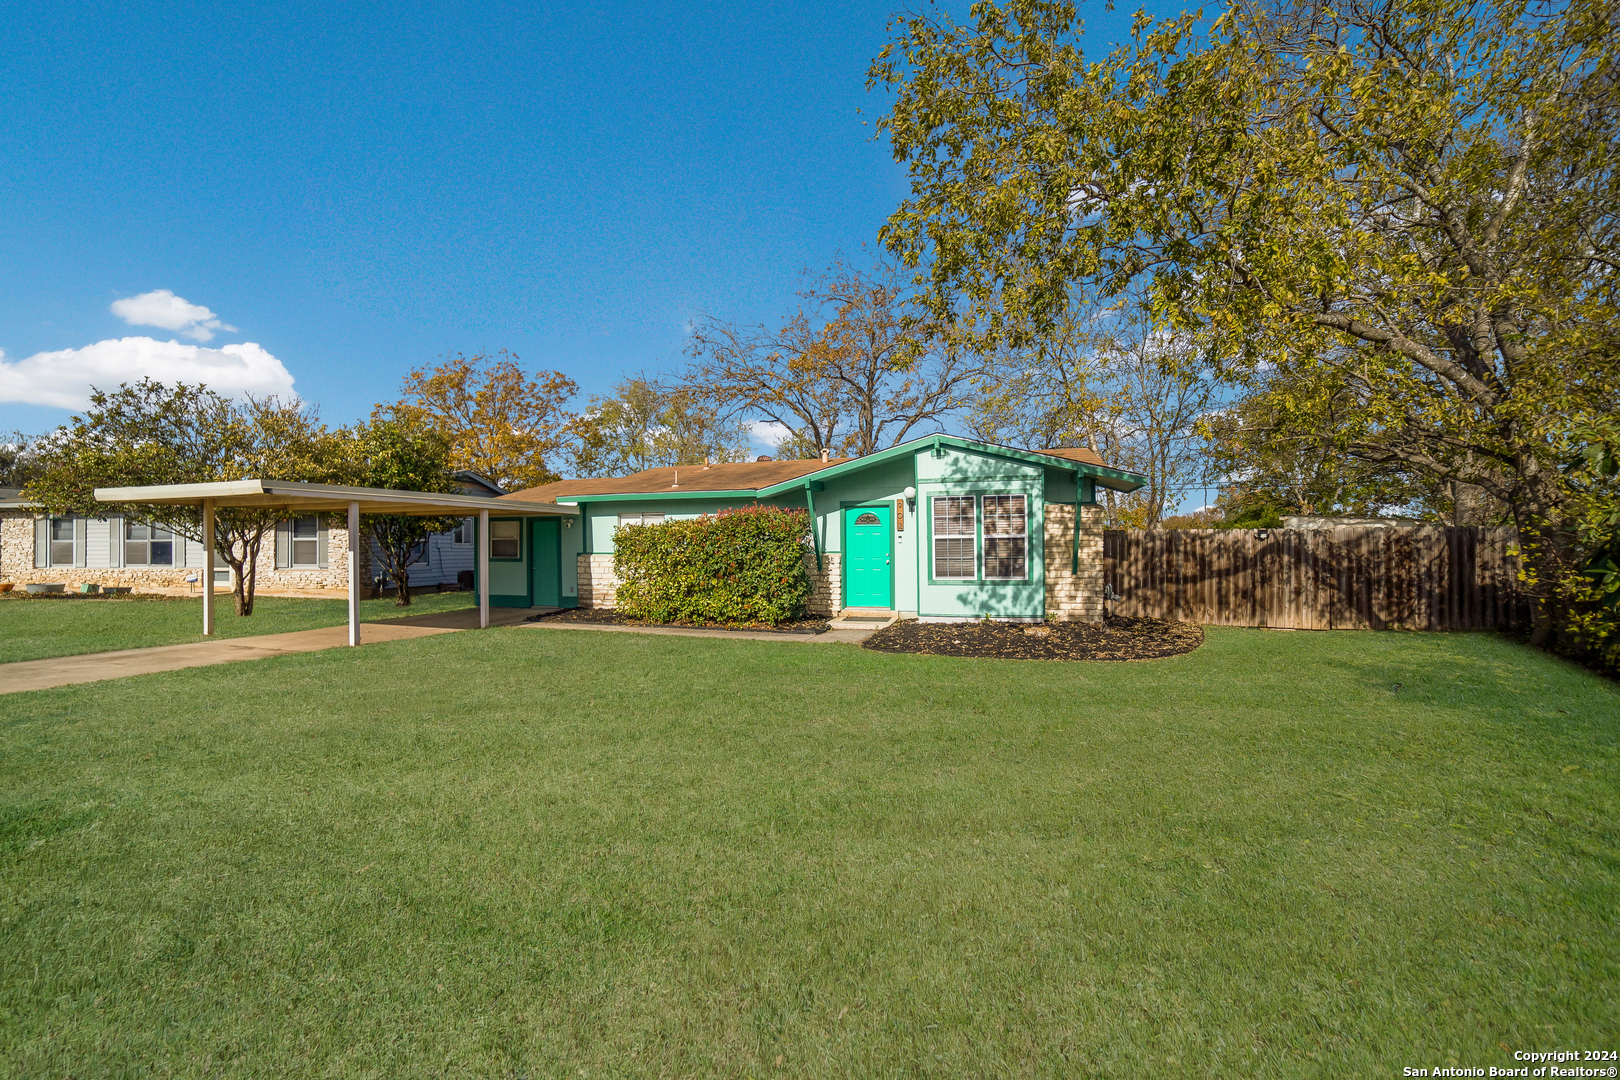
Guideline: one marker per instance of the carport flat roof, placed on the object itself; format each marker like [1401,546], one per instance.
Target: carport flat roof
[295,495]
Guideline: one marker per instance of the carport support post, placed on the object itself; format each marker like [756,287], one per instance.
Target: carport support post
[483,569]
[354,573]
[208,566]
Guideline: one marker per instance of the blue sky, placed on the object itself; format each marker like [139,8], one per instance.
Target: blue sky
[357,189]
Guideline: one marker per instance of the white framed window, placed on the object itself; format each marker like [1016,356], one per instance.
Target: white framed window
[147,545]
[306,542]
[505,539]
[464,532]
[1006,537]
[63,549]
[650,518]
[955,557]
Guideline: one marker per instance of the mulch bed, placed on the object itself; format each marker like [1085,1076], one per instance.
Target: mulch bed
[813,624]
[1117,638]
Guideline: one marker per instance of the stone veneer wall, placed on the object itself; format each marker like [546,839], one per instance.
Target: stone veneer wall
[17,564]
[1072,597]
[598,583]
[826,584]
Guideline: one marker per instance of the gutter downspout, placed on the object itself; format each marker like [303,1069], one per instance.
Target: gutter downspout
[815,537]
[1085,494]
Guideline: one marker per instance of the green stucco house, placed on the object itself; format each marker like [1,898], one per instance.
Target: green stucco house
[937,528]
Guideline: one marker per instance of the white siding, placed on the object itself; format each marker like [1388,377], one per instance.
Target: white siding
[98,543]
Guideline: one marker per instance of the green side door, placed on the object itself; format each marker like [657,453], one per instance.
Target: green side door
[545,564]
[869,556]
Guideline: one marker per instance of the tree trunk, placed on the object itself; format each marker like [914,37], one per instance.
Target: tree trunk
[251,583]
[239,597]
[1544,552]
[402,586]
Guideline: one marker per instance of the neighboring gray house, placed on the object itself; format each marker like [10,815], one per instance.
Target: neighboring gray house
[445,556]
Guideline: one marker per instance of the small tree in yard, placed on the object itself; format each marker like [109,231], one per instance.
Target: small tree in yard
[152,433]
[400,448]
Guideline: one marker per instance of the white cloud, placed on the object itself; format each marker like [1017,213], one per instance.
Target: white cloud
[767,433]
[63,378]
[166,311]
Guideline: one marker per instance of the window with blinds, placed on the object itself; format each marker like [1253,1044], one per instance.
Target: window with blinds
[62,548]
[1006,539]
[954,537]
[505,540]
[652,518]
[147,545]
[306,542]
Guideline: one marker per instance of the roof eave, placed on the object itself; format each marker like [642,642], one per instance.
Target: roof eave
[296,495]
[1115,479]
[629,496]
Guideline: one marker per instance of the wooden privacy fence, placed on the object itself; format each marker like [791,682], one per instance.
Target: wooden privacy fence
[1318,579]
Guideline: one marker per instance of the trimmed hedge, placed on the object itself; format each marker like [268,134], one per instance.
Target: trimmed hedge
[739,566]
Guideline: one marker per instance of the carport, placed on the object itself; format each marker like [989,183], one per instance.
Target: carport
[296,499]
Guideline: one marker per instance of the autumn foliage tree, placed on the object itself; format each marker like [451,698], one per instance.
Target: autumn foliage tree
[501,422]
[1114,383]
[644,424]
[855,370]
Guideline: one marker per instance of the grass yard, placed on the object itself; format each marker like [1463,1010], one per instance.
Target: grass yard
[546,853]
[35,629]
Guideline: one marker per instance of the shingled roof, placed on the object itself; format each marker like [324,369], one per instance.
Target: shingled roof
[1076,453]
[735,476]
[727,476]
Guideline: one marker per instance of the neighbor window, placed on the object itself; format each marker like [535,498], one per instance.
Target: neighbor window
[954,557]
[656,518]
[504,540]
[148,545]
[62,542]
[1005,539]
[464,532]
[306,542]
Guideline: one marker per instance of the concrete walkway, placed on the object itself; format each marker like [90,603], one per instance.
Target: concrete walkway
[94,667]
[24,675]
[845,637]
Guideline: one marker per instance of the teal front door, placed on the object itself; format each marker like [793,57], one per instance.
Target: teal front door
[868,556]
[545,567]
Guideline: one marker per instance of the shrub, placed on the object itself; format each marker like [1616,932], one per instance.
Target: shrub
[739,566]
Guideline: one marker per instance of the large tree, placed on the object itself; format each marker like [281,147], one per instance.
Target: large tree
[855,370]
[1416,196]
[644,424]
[154,433]
[18,459]
[502,423]
[1113,383]
[1279,448]
[400,448]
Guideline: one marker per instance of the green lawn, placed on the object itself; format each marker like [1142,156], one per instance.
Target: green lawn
[541,853]
[33,629]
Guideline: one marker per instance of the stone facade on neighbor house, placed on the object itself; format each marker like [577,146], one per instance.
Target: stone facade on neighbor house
[98,545]
[598,583]
[1072,597]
